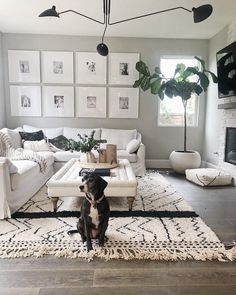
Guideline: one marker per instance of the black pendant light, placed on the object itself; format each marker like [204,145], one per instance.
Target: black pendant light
[199,14]
[51,12]
[102,49]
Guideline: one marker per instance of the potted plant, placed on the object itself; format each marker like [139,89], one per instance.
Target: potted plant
[85,145]
[183,85]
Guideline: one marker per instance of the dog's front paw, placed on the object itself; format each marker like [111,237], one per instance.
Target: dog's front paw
[101,244]
[102,241]
[83,239]
[89,248]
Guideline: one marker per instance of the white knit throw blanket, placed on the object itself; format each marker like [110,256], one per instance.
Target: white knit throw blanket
[6,150]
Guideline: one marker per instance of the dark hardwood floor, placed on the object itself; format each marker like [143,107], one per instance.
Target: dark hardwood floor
[51,275]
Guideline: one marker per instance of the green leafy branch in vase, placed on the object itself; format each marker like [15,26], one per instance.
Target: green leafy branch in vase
[86,143]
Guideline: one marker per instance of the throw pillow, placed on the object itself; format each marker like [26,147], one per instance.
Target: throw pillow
[32,136]
[59,143]
[14,135]
[36,146]
[132,146]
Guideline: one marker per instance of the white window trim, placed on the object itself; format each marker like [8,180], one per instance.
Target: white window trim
[197,104]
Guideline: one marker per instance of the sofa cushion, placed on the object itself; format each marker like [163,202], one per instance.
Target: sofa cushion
[53,132]
[12,168]
[28,128]
[72,133]
[59,143]
[32,136]
[123,154]
[48,132]
[36,146]
[14,135]
[65,156]
[132,146]
[26,171]
[118,136]
[25,166]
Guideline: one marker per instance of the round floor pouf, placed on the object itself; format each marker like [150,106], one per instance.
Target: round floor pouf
[180,161]
[209,177]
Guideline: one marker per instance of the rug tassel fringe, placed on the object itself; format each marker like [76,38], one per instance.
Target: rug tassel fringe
[122,253]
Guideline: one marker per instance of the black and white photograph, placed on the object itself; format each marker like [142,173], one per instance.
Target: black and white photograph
[124,102]
[91,102]
[124,69]
[25,101]
[57,67]
[59,101]
[91,66]
[24,66]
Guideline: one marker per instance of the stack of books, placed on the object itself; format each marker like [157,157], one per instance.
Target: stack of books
[98,171]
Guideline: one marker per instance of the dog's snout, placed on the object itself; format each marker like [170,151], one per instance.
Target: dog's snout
[81,187]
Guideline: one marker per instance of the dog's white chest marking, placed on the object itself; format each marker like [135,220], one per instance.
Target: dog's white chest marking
[94,216]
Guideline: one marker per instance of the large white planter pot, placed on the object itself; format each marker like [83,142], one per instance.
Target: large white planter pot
[180,161]
[87,157]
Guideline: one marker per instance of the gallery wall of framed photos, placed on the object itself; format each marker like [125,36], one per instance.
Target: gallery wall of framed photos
[72,84]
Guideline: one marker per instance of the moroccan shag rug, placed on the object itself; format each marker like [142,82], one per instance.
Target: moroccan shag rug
[162,226]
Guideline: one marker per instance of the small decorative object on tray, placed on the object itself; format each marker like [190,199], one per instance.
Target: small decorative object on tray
[101,156]
[111,153]
[98,171]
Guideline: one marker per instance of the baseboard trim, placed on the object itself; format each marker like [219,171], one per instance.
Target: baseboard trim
[206,164]
[156,163]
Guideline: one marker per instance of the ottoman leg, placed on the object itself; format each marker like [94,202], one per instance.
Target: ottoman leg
[54,203]
[130,202]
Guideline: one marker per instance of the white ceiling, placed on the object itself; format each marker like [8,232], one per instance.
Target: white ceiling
[21,16]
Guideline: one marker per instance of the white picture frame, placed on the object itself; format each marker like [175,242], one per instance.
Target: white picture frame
[57,67]
[91,102]
[123,102]
[122,69]
[24,66]
[58,101]
[25,101]
[91,68]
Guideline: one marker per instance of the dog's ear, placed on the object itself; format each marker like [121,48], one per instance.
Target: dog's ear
[103,184]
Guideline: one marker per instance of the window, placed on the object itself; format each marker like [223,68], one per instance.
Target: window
[171,111]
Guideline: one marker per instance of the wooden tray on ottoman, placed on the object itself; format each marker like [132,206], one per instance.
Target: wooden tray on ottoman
[99,165]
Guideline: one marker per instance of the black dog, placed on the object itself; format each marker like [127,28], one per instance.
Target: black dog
[95,211]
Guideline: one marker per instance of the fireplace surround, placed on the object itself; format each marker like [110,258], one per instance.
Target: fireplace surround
[230,145]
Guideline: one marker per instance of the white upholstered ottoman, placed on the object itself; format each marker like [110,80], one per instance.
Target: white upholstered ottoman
[208,177]
[66,182]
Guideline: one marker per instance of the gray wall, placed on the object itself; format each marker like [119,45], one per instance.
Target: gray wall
[213,115]
[160,141]
[2,101]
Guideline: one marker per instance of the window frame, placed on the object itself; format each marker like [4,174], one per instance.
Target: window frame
[197,104]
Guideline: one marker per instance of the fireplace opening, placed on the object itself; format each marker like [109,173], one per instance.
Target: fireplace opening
[230,145]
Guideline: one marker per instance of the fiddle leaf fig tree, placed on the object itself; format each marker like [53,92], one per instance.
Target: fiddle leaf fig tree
[185,82]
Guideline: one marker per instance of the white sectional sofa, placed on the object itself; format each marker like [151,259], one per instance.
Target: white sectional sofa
[16,188]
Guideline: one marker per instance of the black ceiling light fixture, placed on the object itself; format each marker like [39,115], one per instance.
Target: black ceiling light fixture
[199,14]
